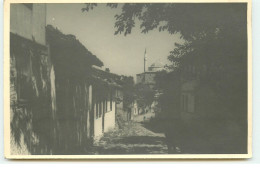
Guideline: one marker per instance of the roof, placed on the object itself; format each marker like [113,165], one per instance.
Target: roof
[105,77]
[147,72]
[67,46]
[157,64]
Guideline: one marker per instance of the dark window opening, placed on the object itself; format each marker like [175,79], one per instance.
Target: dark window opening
[186,103]
[111,104]
[25,83]
[97,110]
[106,105]
[28,5]
[100,109]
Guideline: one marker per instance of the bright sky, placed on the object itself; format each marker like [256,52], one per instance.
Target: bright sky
[95,29]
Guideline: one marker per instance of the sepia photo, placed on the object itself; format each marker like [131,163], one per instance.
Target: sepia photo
[141,80]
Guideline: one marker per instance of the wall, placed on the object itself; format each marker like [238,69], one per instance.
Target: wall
[98,127]
[97,123]
[110,119]
[139,78]
[109,122]
[30,89]
[72,120]
[31,81]
[155,69]
[149,78]
[188,100]
[29,23]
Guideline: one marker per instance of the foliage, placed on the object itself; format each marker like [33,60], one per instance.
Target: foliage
[127,83]
[214,53]
[192,20]
[144,95]
[31,116]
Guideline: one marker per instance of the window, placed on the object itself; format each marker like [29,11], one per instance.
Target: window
[111,103]
[28,5]
[97,110]
[192,104]
[188,102]
[25,81]
[100,109]
[105,104]
[182,102]
[108,104]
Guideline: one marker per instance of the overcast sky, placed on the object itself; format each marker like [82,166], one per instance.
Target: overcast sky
[95,29]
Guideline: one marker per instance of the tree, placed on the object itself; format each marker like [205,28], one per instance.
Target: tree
[192,20]
[215,36]
[144,95]
[215,48]
[127,84]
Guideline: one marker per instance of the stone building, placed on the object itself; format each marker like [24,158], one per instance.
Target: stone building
[148,77]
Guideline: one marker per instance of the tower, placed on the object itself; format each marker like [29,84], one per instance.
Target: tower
[145,58]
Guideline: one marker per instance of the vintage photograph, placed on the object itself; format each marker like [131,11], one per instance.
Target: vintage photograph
[128,80]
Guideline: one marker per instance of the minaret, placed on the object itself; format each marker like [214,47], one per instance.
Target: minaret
[145,59]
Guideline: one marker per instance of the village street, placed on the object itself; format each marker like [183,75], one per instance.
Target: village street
[79,86]
[131,138]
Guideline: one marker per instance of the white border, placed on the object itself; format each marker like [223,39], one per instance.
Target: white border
[117,157]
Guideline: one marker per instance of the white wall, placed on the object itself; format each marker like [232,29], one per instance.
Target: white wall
[109,122]
[27,22]
[98,127]
[110,119]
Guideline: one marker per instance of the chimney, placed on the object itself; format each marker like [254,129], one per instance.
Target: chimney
[107,70]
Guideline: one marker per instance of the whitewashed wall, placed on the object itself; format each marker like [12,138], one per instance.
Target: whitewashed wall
[110,119]
[109,122]
[98,127]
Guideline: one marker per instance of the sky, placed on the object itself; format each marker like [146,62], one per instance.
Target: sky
[123,55]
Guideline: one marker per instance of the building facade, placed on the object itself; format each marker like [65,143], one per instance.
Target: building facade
[148,77]
[28,21]
[147,80]
[107,98]
[31,81]
[85,94]
[59,103]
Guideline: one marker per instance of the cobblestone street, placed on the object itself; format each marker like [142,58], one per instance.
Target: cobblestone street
[133,138]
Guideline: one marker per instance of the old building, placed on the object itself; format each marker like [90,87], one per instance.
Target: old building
[148,77]
[85,94]
[213,103]
[107,98]
[31,81]
[147,81]
[60,103]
